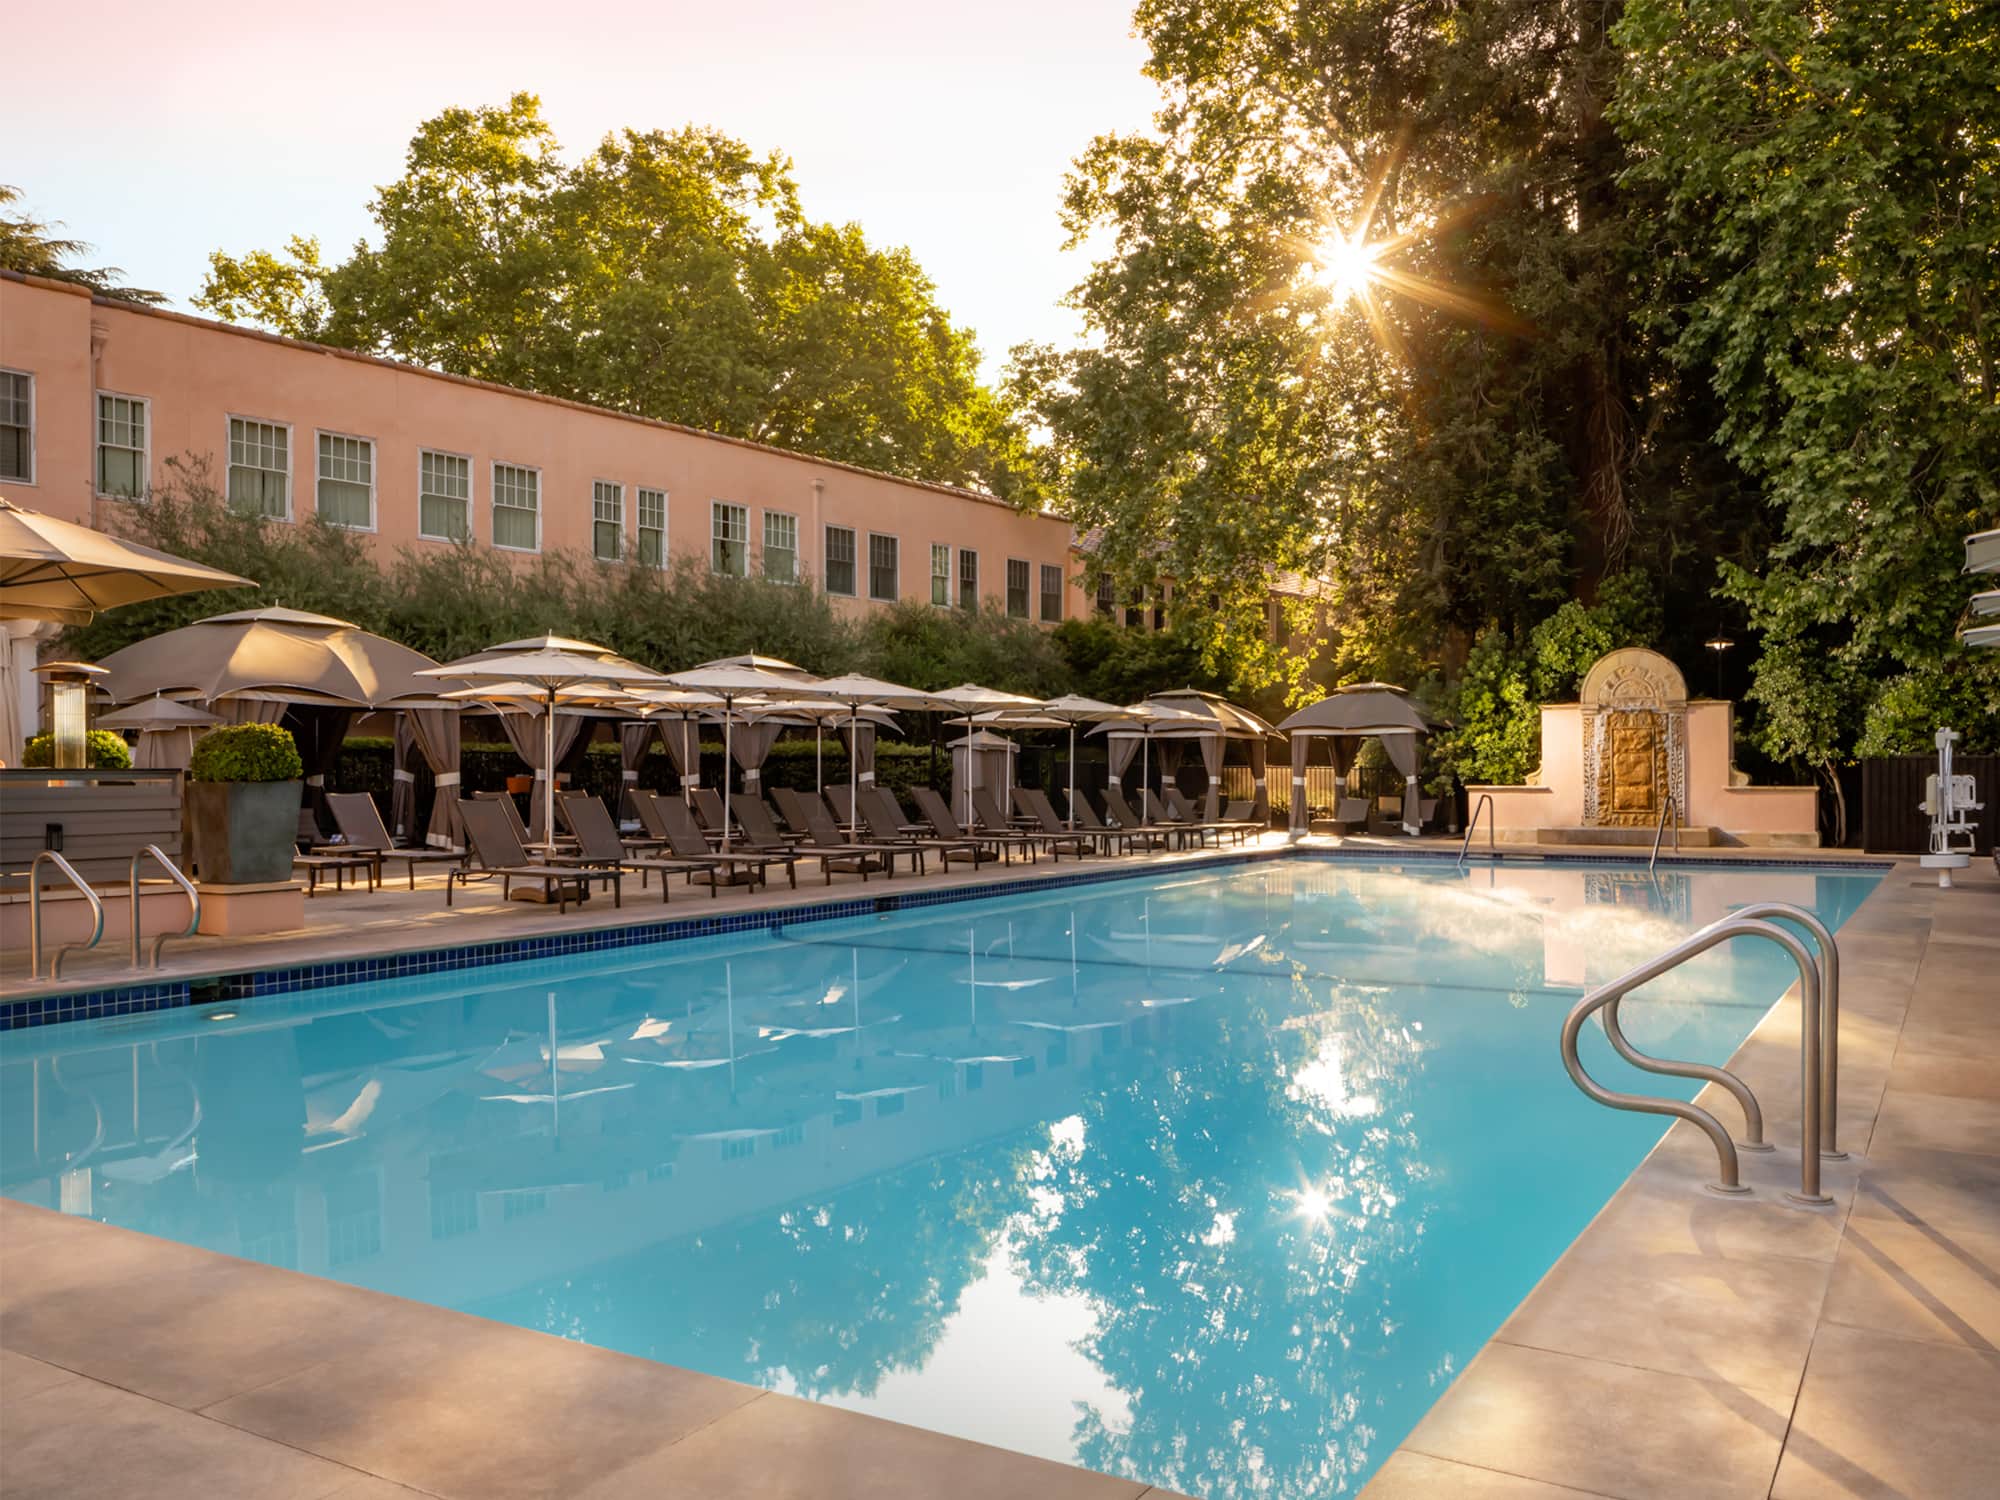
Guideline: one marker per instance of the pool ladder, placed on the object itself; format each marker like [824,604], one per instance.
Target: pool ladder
[1483,805]
[1819,1046]
[69,873]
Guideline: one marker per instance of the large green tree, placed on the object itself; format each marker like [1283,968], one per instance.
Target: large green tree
[668,273]
[1827,175]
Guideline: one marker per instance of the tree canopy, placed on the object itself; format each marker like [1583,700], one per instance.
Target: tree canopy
[38,247]
[668,273]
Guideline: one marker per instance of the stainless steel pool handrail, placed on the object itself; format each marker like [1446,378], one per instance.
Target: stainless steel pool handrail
[68,872]
[194,904]
[1829,1014]
[1606,997]
[1667,809]
[1485,804]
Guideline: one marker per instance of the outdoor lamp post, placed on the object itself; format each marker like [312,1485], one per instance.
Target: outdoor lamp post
[1719,644]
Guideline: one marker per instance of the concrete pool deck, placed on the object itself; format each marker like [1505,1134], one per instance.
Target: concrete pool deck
[1684,1346]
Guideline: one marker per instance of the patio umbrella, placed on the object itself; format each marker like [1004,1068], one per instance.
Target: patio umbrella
[855,689]
[687,707]
[548,664]
[970,698]
[729,682]
[278,654]
[1074,709]
[1369,710]
[1226,721]
[166,730]
[818,713]
[1148,716]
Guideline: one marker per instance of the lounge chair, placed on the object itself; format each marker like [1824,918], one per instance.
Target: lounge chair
[937,813]
[500,853]
[1244,810]
[1156,809]
[644,844]
[687,842]
[887,824]
[1087,818]
[599,846]
[842,804]
[708,808]
[512,813]
[808,817]
[1183,811]
[992,820]
[1155,835]
[362,832]
[1033,801]
[753,821]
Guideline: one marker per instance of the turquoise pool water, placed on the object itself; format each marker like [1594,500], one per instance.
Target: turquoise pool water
[1210,1180]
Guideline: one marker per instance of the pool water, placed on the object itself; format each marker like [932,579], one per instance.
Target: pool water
[1210,1180]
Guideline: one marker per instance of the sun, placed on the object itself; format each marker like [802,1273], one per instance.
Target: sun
[1345,264]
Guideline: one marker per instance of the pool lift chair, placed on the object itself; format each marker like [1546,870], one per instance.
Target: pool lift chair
[1950,799]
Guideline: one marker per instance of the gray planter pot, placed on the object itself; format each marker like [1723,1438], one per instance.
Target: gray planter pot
[244,832]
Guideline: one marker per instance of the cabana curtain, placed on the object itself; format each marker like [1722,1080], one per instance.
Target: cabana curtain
[1260,778]
[635,738]
[860,741]
[749,744]
[435,732]
[524,733]
[1120,750]
[1211,763]
[682,737]
[403,786]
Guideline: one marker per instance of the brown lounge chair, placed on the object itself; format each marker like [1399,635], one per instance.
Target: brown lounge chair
[887,823]
[992,820]
[1179,810]
[1155,835]
[505,802]
[1087,818]
[500,853]
[687,842]
[1033,801]
[938,814]
[753,821]
[599,845]
[708,811]
[807,816]
[362,832]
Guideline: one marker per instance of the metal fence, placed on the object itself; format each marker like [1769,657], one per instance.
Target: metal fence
[1892,794]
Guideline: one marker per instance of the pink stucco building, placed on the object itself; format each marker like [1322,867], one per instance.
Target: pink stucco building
[95,396]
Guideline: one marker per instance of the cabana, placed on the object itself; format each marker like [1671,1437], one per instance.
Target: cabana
[1360,711]
[1219,723]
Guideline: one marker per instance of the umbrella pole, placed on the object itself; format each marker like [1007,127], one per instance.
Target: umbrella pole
[1072,776]
[853,763]
[1145,776]
[549,772]
[819,755]
[728,759]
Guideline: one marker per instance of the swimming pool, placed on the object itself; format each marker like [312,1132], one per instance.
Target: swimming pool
[1212,1179]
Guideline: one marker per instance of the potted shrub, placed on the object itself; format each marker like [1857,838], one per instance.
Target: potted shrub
[104,750]
[244,785]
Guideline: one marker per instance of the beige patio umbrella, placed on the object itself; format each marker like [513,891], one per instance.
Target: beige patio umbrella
[733,680]
[1074,709]
[548,664]
[167,729]
[1148,716]
[284,655]
[64,573]
[970,698]
[857,688]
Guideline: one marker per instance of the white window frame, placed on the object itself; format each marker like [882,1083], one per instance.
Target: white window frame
[494,505]
[764,552]
[1042,603]
[374,469]
[715,509]
[291,457]
[33,433]
[1027,588]
[854,561]
[958,582]
[640,527]
[145,404]
[471,496]
[596,520]
[896,590]
[941,550]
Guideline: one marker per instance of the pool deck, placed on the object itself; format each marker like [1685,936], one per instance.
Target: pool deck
[1685,1345]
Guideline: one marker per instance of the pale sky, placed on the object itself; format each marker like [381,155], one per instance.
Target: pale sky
[161,131]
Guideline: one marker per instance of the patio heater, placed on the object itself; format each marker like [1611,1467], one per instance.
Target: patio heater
[69,684]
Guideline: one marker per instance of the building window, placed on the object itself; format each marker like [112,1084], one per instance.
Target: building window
[940,575]
[121,446]
[653,528]
[1052,585]
[607,520]
[968,578]
[517,508]
[729,539]
[781,547]
[1107,595]
[1159,606]
[444,495]
[17,426]
[840,560]
[346,495]
[1017,587]
[882,567]
[260,468]
[1135,609]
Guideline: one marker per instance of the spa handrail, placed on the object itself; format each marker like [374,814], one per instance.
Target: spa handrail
[1829,1013]
[1484,804]
[1606,997]
[1667,809]
[187,886]
[68,872]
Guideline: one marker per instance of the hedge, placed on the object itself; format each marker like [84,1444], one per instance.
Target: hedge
[246,752]
[103,750]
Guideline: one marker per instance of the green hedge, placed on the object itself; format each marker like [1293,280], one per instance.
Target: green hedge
[103,750]
[246,752]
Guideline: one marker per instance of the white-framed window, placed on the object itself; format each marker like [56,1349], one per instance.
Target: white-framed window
[968,578]
[781,547]
[444,495]
[124,433]
[1017,587]
[882,570]
[17,426]
[607,520]
[260,467]
[840,560]
[940,574]
[1107,595]
[1052,587]
[517,508]
[653,528]
[729,539]
[345,493]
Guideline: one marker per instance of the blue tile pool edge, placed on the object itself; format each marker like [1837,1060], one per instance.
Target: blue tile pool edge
[249,984]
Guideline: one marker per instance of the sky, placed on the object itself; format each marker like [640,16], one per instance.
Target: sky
[159,132]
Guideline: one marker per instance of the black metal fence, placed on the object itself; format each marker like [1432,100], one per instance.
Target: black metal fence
[1892,798]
